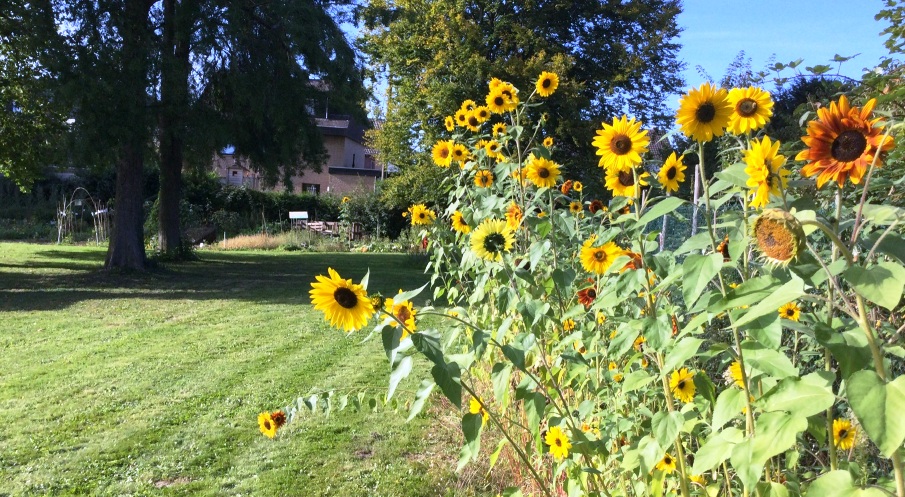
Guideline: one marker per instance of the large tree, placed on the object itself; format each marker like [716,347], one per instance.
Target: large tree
[613,58]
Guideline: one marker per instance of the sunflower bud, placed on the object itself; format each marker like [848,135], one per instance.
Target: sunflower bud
[778,235]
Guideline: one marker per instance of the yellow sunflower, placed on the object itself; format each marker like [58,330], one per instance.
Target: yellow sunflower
[442,153]
[622,183]
[704,112]
[544,173]
[493,148]
[267,424]
[472,121]
[404,312]
[558,442]
[672,173]
[514,216]
[575,207]
[497,101]
[735,374]
[468,105]
[345,304]
[682,385]
[483,178]
[482,113]
[568,324]
[461,117]
[577,186]
[476,406]
[459,224]
[459,153]
[491,238]
[621,144]
[667,464]
[449,123]
[764,167]
[495,83]
[546,84]
[790,311]
[548,142]
[842,142]
[421,215]
[843,434]
[346,199]
[499,129]
[751,109]
[598,259]
[511,93]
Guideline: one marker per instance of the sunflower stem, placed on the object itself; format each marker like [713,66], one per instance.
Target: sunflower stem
[680,453]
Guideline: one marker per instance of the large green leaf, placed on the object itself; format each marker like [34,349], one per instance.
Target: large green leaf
[716,450]
[684,350]
[729,404]
[849,348]
[471,428]
[749,292]
[401,369]
[882,283]
[698,271]
[447,377]
[636,380]
[879,407]
[788,292]
[883,214]
[661,208]
[766,329]
[839,484]
[803,396]
[421,396]
[775,432]
[666,425]
[769,361]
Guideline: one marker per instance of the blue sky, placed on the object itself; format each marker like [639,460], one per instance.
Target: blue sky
[813,30]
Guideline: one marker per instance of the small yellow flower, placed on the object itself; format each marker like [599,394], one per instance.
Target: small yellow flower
[476,406]
[546,84]
[483,179]
[267,424]
[568,324]
[601,317]
[499,129]
[577,186]
[843,434]
[450,123]
[790,311]
[667,464]
[558,442]
[575,207]
[682,385]
[735,373]
[548,142]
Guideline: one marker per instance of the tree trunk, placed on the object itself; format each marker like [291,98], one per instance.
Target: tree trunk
[127,244]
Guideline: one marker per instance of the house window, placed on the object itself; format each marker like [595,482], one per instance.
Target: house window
[312,188]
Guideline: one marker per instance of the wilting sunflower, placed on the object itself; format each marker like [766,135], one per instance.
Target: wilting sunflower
[764,167]
[476,406]
[704,112]
[558,442]
[621,144]
[472,121]
[514,216]
[546,84]
[345,304]
[442,153]
[542,172]
[499,129]
[575,207]
[267,425]
[586,296]
[404,312]
[778,235]
[598,259]
[458,223]
[843,434]
[682,385]
[548,142]
[735,374]
[751,109]
[672,173]
[421,215]
[491,238]
[667,464]
[461,117]
[790,311]
[483,179]
[568,324]
[459,153]
[449,123]
[842,142]
[622,183]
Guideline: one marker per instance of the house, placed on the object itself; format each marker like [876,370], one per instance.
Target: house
[350,167]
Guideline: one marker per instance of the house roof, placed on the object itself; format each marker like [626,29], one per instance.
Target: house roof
[340,125]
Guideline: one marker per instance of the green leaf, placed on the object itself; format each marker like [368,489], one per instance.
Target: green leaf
[500,377]
[788,292]
[892,245]
[696,242]
[879,408]
[729,404]
[400,370]
[421,396]
[804,396]
[766,329]
[849,348]
[839,483]
[734,174]
[716,450]
[661,208]
[882,214]
[771,489]
[684,350]
[665,426]
[429,345]
[409,295]
[749,292]
[447,377]
[496,455]
[775,433]
[471,428]
[636,380]
[882,283]
[769,361]
[650,452]
[515,356]
[698,271]
[390,335]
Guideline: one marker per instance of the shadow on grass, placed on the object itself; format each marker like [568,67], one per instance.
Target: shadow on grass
[279,278]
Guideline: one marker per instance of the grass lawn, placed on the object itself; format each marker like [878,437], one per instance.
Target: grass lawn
[151,383]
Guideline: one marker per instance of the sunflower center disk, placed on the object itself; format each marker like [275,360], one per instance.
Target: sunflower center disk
[546,83]
[403,314]
[494,243]
[746,108]
[626,178]
[775,240]
[622,144]
[671,173]
[543,173]
[599,255]
[848,146]
[705,113]
[345,297]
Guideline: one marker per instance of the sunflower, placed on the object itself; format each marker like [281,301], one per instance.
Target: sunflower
[491,238]
[542,172]
[622,183]
[421,215]
[546,84]
[558,442]
[704,112]
[499,129]
[496,101]
[586,296]
[578,186]
[476,406]
[667,464]
[345,304]
[566,187]
[548,142]
[511,93]
[459,224]
[672,173]
[493,147]
[483,178]
[765,171]
[495,83]
[459,153]
[842,142]
[596,205]
[468,105]
[790,311]
[779,236]
[612,366]
[513,216]
[581,349]
[575,207]
[601,317]
[461,117]
[279,418]
[843,434]
[682,385]
[638,344]
[472,121]
[404,312]
[449,123]
[734,374]
[346,199]
[568,324]
[482,113]
[621,144]
[751,109]
[598,259]
[267,425]
[442,153]
[698,479]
